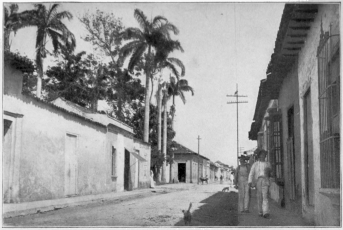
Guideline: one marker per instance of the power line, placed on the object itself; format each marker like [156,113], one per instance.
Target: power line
[237,102]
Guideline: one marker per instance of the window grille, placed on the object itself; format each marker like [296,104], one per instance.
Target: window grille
[275,145]
[328,55]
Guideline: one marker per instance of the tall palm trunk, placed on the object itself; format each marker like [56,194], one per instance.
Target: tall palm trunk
[159,126]
[172,154]
[39,62]
[164,166]
[39,78]
[173,114]
[152,89]
[7,46]
[147,101]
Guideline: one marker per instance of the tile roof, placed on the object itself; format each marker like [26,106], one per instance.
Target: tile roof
[180,149]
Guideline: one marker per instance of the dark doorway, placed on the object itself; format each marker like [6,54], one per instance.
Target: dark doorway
[291,152]
[127,170]
[182,172]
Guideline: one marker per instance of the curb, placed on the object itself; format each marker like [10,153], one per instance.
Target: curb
[21,209]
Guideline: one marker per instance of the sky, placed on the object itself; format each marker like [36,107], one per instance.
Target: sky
[225,45]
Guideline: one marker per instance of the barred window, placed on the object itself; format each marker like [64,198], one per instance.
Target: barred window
[275,144]
[329,108]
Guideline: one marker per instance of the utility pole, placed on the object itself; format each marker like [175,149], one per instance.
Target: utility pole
[237,102]
[198,158]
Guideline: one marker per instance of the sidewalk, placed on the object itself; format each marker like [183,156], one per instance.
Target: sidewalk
[278,216]
[18,209]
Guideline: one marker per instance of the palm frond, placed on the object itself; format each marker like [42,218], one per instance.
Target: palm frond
[128,48]
[142,19]
[64,14]
[136,56]
[158,19]
[56,38]
[172,68]
[41,12]
[52,13]
[28,18]
[166,28]
[179,64]
[6,15]
[187,89]
[182,96]
[70,42]
[14,8]
[68,38]
[131,33]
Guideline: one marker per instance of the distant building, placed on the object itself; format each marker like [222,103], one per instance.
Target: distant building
[186,165]
[297,115]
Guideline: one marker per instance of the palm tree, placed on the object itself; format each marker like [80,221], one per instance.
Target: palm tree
[164,48]
[162,62]
[178,89]
[142,44]
[173,90]
[13,21]
[49,23]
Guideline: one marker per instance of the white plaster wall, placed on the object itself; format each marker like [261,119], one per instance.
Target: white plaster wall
[308,78]
[120,163]
[286,101]
[168,173]
[43,153]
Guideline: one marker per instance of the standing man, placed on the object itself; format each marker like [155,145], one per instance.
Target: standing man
[241,181]
[259,178]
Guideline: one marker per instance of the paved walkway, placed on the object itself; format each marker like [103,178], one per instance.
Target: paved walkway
[278,216]
[12,209]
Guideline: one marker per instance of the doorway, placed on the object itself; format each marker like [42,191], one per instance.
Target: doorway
[126,170]
[308,156]
[290,152]
[182,172]
[7,159]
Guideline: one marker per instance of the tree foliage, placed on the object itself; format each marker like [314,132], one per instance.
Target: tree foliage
[68,79]
[103,32]
[141,43]
[49,24]
[137,122]
[124,90]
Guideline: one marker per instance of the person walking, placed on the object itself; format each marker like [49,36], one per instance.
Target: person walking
[259,178]
[241,182]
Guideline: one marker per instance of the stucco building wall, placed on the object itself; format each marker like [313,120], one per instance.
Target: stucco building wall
[144,166]
[192,169]
[288,98]
[53,153]
[321,213]
[42,163]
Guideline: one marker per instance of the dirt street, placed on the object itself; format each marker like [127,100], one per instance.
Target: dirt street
[210,207]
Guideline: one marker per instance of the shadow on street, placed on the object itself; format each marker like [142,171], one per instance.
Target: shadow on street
[219,209]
